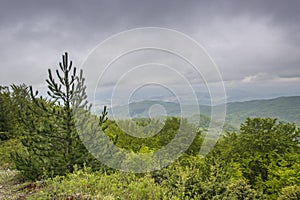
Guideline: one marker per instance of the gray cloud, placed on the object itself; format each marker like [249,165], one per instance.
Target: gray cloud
[245,38]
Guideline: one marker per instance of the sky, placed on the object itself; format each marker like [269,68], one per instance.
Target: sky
[255,44]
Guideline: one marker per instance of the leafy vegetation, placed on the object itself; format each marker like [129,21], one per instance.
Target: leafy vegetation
[42,156]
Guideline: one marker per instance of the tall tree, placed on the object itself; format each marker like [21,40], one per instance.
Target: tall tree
[52,141]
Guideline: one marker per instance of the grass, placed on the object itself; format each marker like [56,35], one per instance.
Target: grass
[12,187]
[8,184]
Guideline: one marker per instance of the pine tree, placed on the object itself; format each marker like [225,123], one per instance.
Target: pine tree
[52,141]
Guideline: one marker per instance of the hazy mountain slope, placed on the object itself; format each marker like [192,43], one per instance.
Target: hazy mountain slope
[143,109]
[286,109]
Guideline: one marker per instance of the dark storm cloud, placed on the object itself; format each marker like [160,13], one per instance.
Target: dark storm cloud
[245,38]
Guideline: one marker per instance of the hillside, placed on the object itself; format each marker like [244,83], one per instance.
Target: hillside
[286,109]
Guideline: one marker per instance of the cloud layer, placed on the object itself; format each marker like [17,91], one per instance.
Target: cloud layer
[254,43]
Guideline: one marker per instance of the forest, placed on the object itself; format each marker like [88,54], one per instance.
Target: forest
[42,155]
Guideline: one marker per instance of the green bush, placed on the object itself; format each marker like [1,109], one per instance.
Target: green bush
[84,184]
[290,193]
[7,148]
[241,190]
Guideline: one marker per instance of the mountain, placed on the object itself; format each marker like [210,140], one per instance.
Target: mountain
[286,109]
[157,108]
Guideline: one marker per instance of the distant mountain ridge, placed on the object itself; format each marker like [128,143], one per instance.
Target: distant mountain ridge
[286,109]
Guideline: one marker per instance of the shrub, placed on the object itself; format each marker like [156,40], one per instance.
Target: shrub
[290,193]
[84,184]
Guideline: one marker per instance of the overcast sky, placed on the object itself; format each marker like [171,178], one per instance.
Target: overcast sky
[255,44]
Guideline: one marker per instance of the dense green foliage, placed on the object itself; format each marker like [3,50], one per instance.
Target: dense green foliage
[48,133]
[38,137]
[160,139]
[267,154]
[13,104]
[5,123]
[182,180]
